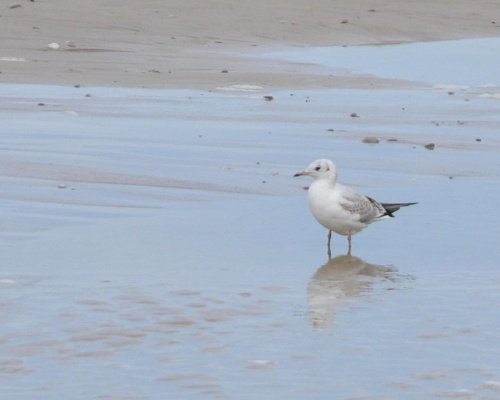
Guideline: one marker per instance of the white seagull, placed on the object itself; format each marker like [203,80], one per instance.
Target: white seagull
[339,208]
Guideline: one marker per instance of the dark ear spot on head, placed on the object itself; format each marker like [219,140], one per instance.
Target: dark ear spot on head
[328,168]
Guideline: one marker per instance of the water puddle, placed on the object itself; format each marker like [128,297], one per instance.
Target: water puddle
[472,62]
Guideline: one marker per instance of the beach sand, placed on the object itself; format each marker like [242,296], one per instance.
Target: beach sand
[214,43]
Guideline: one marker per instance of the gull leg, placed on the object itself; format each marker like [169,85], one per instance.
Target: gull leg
[329,240]
[349,240]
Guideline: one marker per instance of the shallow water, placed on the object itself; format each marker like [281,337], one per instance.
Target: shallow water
[453,62]
[154,244]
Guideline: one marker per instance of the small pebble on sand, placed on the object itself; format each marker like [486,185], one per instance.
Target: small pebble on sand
[371,140]
[430,146]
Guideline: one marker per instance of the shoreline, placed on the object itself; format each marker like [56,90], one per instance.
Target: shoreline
[180,45]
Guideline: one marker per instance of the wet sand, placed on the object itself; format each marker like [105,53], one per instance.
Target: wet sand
[155,244]
[158,238]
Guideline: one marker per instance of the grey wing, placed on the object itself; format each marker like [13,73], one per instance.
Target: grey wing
[368,209]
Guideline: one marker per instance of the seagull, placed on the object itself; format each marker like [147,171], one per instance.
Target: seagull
[339,208]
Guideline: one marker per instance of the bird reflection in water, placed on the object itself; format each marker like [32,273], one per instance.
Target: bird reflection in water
[341,278]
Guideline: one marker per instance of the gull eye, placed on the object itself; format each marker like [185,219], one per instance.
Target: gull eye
[317,168]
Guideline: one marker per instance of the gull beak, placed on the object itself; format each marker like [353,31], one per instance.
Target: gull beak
[301,173]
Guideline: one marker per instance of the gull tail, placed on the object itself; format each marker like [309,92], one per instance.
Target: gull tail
[392,208]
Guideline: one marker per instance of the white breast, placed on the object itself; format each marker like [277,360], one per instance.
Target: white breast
[325,203]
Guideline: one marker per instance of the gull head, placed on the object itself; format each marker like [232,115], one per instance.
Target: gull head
[320,169]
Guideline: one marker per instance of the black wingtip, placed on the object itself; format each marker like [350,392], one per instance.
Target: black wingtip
[392,208]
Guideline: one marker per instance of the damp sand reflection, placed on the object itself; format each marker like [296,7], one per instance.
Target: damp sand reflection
[340,279]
